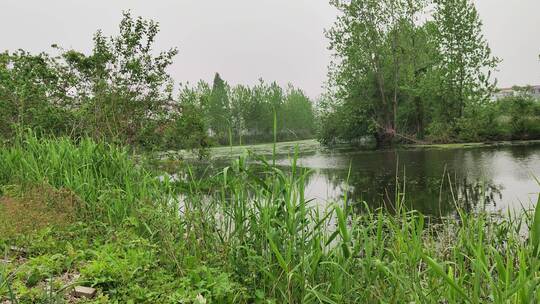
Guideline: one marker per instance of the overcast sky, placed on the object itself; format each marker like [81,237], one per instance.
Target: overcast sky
[244,40]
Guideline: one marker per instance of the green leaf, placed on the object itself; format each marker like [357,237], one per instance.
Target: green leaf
[441,273]
[278,255]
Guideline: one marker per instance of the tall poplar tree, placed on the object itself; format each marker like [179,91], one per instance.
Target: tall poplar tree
[218,108]
[370,58]
[465,59]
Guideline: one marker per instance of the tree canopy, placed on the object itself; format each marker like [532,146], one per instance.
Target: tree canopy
[405,70]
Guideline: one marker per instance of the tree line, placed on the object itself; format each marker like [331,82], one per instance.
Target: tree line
[415,70]
[402,71]
[121,92]
[249,114]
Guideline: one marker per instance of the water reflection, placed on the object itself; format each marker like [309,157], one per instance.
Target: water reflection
[431,181]
[435,196]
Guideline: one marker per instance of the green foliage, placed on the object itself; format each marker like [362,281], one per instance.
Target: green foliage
[246,114]
[130,270]
[378,64]
[218,109]
[297,114]
[121,85]
[464,59]
[509,118]
[339,123]
[29,95]
[105,179]
[523,112]
[187,130]
[121,93]
[406,70]
[247,235]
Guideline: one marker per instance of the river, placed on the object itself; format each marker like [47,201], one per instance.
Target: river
[432,181]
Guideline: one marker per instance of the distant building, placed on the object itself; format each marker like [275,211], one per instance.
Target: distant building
[533,90]
[536,91]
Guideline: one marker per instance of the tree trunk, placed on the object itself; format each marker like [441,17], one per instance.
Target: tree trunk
[385,137]
[419,118]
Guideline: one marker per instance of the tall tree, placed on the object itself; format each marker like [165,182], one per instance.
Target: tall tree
[30,94]
[219,109]
[368,44]
[122,86]
[399,70]
[297,114]
[240,97]
[464,58]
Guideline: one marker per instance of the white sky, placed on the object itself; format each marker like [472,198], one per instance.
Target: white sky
[244,40]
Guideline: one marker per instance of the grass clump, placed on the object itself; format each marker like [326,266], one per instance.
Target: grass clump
[102,177]
[251,237]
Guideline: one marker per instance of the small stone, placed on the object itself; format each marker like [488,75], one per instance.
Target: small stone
[18,249]
[82,291]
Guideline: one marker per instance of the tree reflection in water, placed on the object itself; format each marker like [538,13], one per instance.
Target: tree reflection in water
[431,196]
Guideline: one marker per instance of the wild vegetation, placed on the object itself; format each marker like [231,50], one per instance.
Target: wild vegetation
[80,203]
[121,93]
[254,238]
[241,114]
[415,71]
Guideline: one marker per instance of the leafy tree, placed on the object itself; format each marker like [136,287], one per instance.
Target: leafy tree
[240,96]
[187,127]
[297,114]
[464,59]
[368,40]
[29,95]
[187,130]
[121,92]
[524,122]
[121,85]
[258,113]
[218,108]
[399,71]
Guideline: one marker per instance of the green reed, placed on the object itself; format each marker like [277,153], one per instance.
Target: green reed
[107,181]
[255,222]
[297,252]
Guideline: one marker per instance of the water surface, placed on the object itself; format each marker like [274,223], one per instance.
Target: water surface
[432,181]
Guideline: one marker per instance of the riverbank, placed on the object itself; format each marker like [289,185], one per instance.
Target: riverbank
[267,149]
[312,145]
[473,144]
[252,239]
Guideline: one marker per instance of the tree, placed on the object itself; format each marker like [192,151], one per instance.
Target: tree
[258,113]
[29,94]
[399,71]
[464,59]
[240,96]
[218,109]
[121,88]
[368,41]
[297,114]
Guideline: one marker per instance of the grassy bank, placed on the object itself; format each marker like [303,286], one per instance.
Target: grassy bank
[474,144]
[101,220]
[267,149]
[312,145]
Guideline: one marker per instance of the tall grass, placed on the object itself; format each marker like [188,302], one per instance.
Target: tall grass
[107,181]
[291,250]
[280,246]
